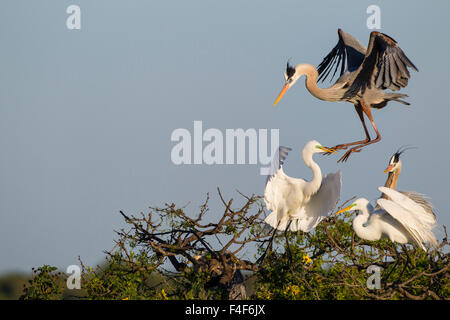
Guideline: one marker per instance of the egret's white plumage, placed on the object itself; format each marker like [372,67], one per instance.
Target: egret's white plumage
[416,220]
[297,203]
[400,219]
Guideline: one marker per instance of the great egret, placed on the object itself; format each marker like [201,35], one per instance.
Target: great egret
[394,168]
[296,203]
[364,75]
[399,219]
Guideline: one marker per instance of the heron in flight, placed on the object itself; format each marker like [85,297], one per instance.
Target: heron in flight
[365,74]
[297,204]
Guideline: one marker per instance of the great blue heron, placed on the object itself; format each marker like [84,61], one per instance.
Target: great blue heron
[393,169]
[364,75]
[400,219]
[297,204]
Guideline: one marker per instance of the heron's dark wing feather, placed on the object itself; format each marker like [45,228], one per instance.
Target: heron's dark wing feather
[348,54]
[278,161]
[385,66]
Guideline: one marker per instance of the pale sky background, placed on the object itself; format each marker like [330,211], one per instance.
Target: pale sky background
[86,115]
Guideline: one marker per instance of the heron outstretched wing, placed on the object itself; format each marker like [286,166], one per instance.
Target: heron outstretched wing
[385,66]
[348,54]
[411,215]
[320,204]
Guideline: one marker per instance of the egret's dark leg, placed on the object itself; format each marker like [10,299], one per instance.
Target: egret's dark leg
[344,146]
[395,265]
[408,260]
[368,112]
[261,259]
[287,242]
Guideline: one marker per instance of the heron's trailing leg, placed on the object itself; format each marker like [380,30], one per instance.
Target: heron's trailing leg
[358,148]
[344,146]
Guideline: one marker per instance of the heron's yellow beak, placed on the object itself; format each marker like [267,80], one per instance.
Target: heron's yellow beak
[349,208]
[282,92]
[325,149]
[389,168]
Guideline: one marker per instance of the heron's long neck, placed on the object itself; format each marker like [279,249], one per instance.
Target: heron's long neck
[369,232]
[328,94]
[391,182]
[314,185]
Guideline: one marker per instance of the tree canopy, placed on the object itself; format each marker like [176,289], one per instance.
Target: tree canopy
[168,254]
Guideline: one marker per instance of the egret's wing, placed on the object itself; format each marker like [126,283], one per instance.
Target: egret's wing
[404,217]
[275,182]
[277,161]
[321,203]
[272,220]
[426,218]
[411,215]
[420,199]
[279,190]
[385,66]
[348,54]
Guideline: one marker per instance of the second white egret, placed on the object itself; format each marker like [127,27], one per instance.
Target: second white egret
[400,219]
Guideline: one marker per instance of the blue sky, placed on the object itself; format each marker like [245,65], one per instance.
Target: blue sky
[86,115]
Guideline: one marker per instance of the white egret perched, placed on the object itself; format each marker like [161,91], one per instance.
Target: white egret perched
[297,204]
[400,219]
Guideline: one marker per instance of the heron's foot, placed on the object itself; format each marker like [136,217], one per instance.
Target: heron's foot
[335,148]
[344,146]
[345,157]
[340,147]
